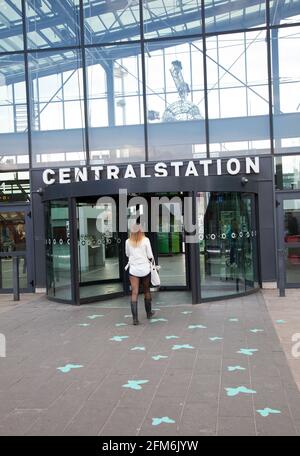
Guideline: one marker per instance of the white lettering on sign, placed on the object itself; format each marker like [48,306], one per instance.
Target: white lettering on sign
[46,179]
[160,170]
[193,169]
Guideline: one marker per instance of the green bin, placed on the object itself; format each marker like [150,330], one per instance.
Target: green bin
[175,242]
[163,243]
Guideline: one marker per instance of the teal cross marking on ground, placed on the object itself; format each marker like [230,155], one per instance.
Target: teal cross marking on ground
[197,327]
[118,338]
[267,411]
[280,322]
[247,351]
[127,316]
[256,330]
[163,419]
[135,384]
[84,325]
[65,369]
[179,347]
[158,357]
[138,348]
[93,317]
[121,324]
[186,312]
[156,308]
[233,319]
[171,337]
[155,320]
[238,390]
[213,339]
[235,368]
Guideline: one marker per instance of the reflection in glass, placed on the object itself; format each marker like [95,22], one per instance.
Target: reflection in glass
[12,232]
[98,249]
[171,18]
[224,15]
[287,172]
[286,88]
[228,250]
[11,37]
[57,111]
[291,210]
[284,11]
[109,22]
[14,186]
[58,254]
[292,265]
[171,243]
[6,272]
[52,24]
[175,100]
[238,100]
[115,101]
[13,113]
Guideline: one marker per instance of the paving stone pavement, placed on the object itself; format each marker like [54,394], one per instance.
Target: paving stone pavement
[210,369]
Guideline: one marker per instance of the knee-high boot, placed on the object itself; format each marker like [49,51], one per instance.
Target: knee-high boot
[134,311]
[149,311]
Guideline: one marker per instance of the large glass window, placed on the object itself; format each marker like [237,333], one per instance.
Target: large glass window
[171,18]
[175,100]
[287,172]
[52,24]
[286,88]
[221,15]
[11,31]
[58,253]
[13,113]
[291,211]
[57,108]
[109,22]
[14,186]
[115,104]
[284,11]
[238,100]
[228,243]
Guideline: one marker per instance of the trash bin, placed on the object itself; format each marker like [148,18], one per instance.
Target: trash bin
[163,243]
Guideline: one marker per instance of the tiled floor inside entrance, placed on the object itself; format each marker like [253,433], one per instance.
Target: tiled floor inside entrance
[211,369]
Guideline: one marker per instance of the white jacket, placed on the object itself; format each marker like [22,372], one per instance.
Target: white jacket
[139,257]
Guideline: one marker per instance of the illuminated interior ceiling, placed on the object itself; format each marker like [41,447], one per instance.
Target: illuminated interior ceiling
[52,24]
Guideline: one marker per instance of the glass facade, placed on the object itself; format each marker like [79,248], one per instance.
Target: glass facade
[107,81]
[287,175]
[92,83]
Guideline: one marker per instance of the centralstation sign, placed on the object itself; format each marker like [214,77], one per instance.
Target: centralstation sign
[195,168]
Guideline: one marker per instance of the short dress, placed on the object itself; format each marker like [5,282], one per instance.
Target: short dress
[139,256]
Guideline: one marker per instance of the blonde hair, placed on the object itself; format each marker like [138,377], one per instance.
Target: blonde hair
[136,234]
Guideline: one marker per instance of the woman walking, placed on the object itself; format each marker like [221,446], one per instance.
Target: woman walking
[139,253]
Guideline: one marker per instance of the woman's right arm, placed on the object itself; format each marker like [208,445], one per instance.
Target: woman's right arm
[127,248]
[149,250]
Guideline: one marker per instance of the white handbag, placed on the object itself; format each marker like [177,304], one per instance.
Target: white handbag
[155,279]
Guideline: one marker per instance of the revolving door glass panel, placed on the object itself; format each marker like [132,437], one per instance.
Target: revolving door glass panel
[58,251]
[227,243]
[99,247]
[161,215]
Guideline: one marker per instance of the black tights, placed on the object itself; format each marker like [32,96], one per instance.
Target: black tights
[135,283]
